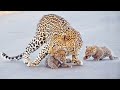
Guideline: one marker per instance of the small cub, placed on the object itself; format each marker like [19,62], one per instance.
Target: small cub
[56,60]
[98,53]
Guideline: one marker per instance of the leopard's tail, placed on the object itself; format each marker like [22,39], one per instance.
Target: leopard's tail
[18,57]
[32,47]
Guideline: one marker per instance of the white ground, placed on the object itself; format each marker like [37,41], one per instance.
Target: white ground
[96,28]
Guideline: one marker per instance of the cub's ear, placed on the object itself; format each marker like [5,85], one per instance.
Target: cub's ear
[94,47]
[86,46]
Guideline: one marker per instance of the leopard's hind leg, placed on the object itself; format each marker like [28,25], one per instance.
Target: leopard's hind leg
[42,55]
[35,44]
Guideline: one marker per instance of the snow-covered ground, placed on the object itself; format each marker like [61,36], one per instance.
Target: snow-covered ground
[97,28]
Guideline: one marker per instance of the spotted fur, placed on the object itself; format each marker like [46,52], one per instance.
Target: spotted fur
[98,53]
[48,29]
[69,41]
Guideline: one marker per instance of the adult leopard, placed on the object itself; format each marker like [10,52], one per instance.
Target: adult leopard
[49,27]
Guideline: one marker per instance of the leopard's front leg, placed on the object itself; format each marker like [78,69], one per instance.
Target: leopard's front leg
[76,61]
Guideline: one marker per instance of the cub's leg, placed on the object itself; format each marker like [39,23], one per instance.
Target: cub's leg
[111,57]
[101,58]
[64,65]
[68,60]
[97,58]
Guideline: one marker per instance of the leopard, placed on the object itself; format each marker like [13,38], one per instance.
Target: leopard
[49,28]
[98,53]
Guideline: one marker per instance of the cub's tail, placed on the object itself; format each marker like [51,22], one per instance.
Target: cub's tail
[18,57]
[114,58]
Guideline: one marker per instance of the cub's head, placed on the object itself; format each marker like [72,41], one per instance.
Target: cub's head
[90,50]
[60,55]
